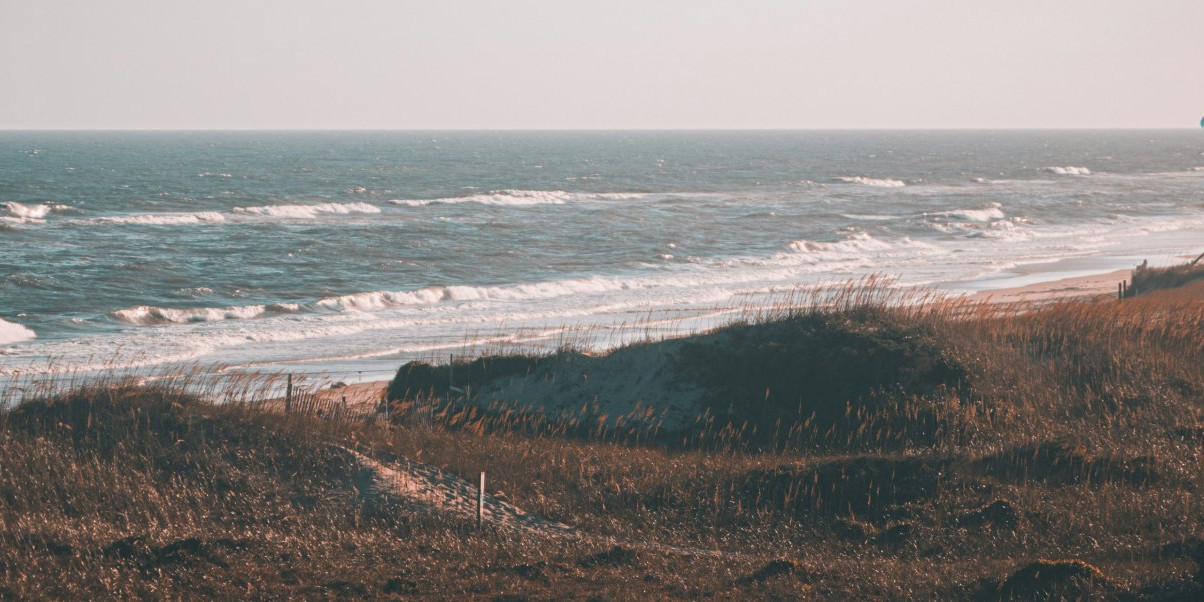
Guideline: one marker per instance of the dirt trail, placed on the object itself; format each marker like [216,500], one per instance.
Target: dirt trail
[413,484]
[406,482]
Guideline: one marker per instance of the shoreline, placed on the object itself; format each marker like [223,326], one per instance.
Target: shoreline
[1062,289]
[1080,278]
[364,393]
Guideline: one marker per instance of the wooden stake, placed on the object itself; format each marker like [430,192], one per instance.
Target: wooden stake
[288,395]
[481,501]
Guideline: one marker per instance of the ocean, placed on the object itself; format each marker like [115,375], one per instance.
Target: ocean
[348,253]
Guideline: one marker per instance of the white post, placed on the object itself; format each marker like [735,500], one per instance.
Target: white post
[481,501]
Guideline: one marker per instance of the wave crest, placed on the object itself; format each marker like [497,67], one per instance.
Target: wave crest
[1068,171]
[307,211]
[161,219]
[856,246]
[20,213]
[146,314]
[518,198]
[875,182]
[14,333]
[985,214]
[431,295]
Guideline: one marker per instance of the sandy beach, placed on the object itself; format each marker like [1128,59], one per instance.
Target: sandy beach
[1056,290]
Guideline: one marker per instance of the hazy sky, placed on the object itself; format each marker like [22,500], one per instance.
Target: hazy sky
[601,64]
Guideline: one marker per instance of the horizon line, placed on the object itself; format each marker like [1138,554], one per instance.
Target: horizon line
[588,129]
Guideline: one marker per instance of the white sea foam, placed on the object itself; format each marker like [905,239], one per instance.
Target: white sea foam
[14,333]
[6,219]
[518,198]
[855,244]
[160,219]
[16,209]
[1068,171]
[145,314]
[875,182]
[23,214]
[858,246]
[307,211]
[986,214]
[519,292]
[868,217]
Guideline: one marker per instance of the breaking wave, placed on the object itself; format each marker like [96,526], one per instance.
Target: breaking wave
[856,246]
[518,292]
[14,333]
[1068,171]
[215,217]
[307,211]
[875,182]
[518,198]
[38,211]
[20,213]
[986,214]
[145,314]
[161,219]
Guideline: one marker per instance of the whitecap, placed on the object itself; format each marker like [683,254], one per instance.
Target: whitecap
[14,333]
[985,214]
[857,246]
[146,314]
[518,198]
[1068,171]
[374,300]
[160,219]
[875,182]
[21,213]
[307,211]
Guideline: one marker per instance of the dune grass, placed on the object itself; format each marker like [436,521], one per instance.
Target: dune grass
[1146,278]
[873,447]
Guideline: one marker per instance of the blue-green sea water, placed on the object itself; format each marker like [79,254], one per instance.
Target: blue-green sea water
[354,251]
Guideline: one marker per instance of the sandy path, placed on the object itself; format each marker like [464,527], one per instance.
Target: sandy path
[408,484]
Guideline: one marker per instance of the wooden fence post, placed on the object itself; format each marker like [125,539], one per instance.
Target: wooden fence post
[288,395]
[481,501]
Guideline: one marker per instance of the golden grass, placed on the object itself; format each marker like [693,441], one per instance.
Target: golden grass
[1070,432]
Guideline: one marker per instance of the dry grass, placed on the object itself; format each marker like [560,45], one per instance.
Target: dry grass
[1146,278]
[970,445]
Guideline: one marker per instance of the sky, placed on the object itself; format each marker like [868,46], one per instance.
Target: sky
[606,64]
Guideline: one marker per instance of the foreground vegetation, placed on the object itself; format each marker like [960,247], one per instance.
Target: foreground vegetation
[866,449]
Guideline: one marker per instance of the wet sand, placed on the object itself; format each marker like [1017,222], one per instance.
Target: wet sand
[1078,287]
